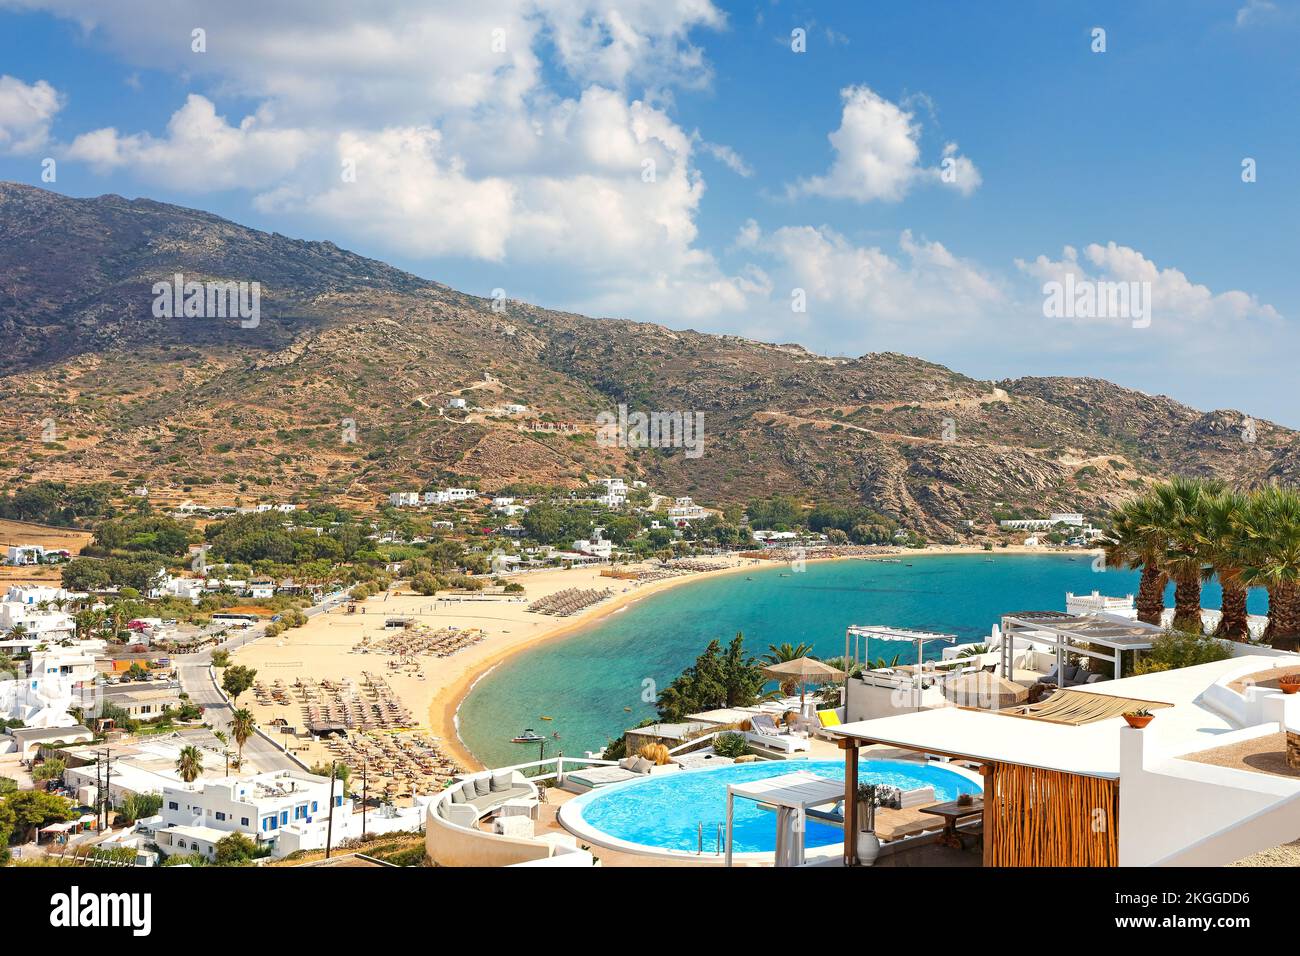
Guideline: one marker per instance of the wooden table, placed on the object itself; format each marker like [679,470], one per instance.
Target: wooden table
[952,813]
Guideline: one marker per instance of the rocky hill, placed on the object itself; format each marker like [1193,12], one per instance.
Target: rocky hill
[94,386]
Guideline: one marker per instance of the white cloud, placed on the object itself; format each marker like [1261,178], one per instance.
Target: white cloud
[728,157]
[1177,303]
[201,150]
[1254,11]
[26,112]
[878,154]
[408,196]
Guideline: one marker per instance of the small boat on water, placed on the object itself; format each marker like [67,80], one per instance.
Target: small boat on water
[545,718]
[529,736]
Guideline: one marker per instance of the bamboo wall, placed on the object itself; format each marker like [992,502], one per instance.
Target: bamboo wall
[1049,818]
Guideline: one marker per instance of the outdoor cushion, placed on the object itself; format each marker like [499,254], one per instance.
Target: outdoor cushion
[501,781]
[628,763]
[482,784]
[642,765]
[469,790]
[457,794]
[828,718]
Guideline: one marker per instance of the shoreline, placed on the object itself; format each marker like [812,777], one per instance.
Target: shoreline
[444,709]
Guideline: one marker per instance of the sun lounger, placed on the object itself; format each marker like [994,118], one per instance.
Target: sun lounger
[764,732]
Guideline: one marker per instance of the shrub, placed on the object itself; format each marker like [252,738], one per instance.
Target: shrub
[1175,649]
[729,745]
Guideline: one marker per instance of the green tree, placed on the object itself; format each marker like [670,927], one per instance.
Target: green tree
[424,583]
[237,679]
[1180,513]
[234,850]
[35,808]
[189,763]
[1136,541]
[1223,545]
[1270,531]
[717,679]
[242,728]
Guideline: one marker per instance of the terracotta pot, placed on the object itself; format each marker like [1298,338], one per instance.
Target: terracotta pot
[1289,687]
[1139,722]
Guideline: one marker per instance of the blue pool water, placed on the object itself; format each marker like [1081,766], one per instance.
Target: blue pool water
[665,812]
[596,683]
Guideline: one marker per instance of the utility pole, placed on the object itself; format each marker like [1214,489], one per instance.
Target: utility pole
[329,825]
[365,764]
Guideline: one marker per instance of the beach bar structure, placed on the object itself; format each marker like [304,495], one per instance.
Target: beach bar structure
[1103,637]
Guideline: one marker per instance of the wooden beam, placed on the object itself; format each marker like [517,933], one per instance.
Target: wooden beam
[850,801]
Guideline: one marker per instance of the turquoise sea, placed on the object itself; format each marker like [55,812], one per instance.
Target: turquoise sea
[585,681]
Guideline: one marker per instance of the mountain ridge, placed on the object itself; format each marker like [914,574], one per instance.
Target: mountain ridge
[202,409]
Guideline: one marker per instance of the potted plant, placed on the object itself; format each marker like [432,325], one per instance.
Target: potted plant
[868,845]
[1290,683]
[1139,718]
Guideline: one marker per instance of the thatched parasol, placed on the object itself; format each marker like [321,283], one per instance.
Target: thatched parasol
[985,690]
[803,669]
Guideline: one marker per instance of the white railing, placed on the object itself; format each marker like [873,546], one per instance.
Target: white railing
[557,762]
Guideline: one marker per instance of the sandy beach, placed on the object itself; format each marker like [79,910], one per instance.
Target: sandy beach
[433,687]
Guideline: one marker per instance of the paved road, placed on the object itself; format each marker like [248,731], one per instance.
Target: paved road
[197,682]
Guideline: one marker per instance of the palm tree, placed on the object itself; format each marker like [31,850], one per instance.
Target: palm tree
[242,726]
[189,764]
[1179,509]
[779,654]
[1137,542]
[1221,541]
[1270,531]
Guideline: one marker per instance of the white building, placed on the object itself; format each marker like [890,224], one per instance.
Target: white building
[37,627]
[1098,603]
[1070,518]
[261,589]
[595,548]
[26,554]
[290,809]
[685,509]
[404,499]
[447,496]
[457,403]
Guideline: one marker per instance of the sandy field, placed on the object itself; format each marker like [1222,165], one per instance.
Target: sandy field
[433,687]
[22,532]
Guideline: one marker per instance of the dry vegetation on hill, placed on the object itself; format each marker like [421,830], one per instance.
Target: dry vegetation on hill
[203,409]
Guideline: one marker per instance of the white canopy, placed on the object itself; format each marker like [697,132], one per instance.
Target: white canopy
[792,794]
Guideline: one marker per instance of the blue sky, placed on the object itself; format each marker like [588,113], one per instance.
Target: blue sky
[504,144]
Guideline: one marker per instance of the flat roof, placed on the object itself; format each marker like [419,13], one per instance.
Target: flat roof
[1091,749]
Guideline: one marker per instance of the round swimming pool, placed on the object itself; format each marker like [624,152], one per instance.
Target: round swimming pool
[664,813]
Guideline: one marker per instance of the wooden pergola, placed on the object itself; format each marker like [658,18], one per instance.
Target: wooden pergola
[1033,815]
[1081,634]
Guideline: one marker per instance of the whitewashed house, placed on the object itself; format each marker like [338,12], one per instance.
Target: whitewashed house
[290,809]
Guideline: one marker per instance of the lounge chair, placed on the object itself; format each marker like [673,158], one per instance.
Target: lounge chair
[764,732]
[826,719]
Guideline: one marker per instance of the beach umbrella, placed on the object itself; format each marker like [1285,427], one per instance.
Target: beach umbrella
[986,690]
[802,669]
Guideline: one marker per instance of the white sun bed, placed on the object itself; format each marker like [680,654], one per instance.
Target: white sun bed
[764,732]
